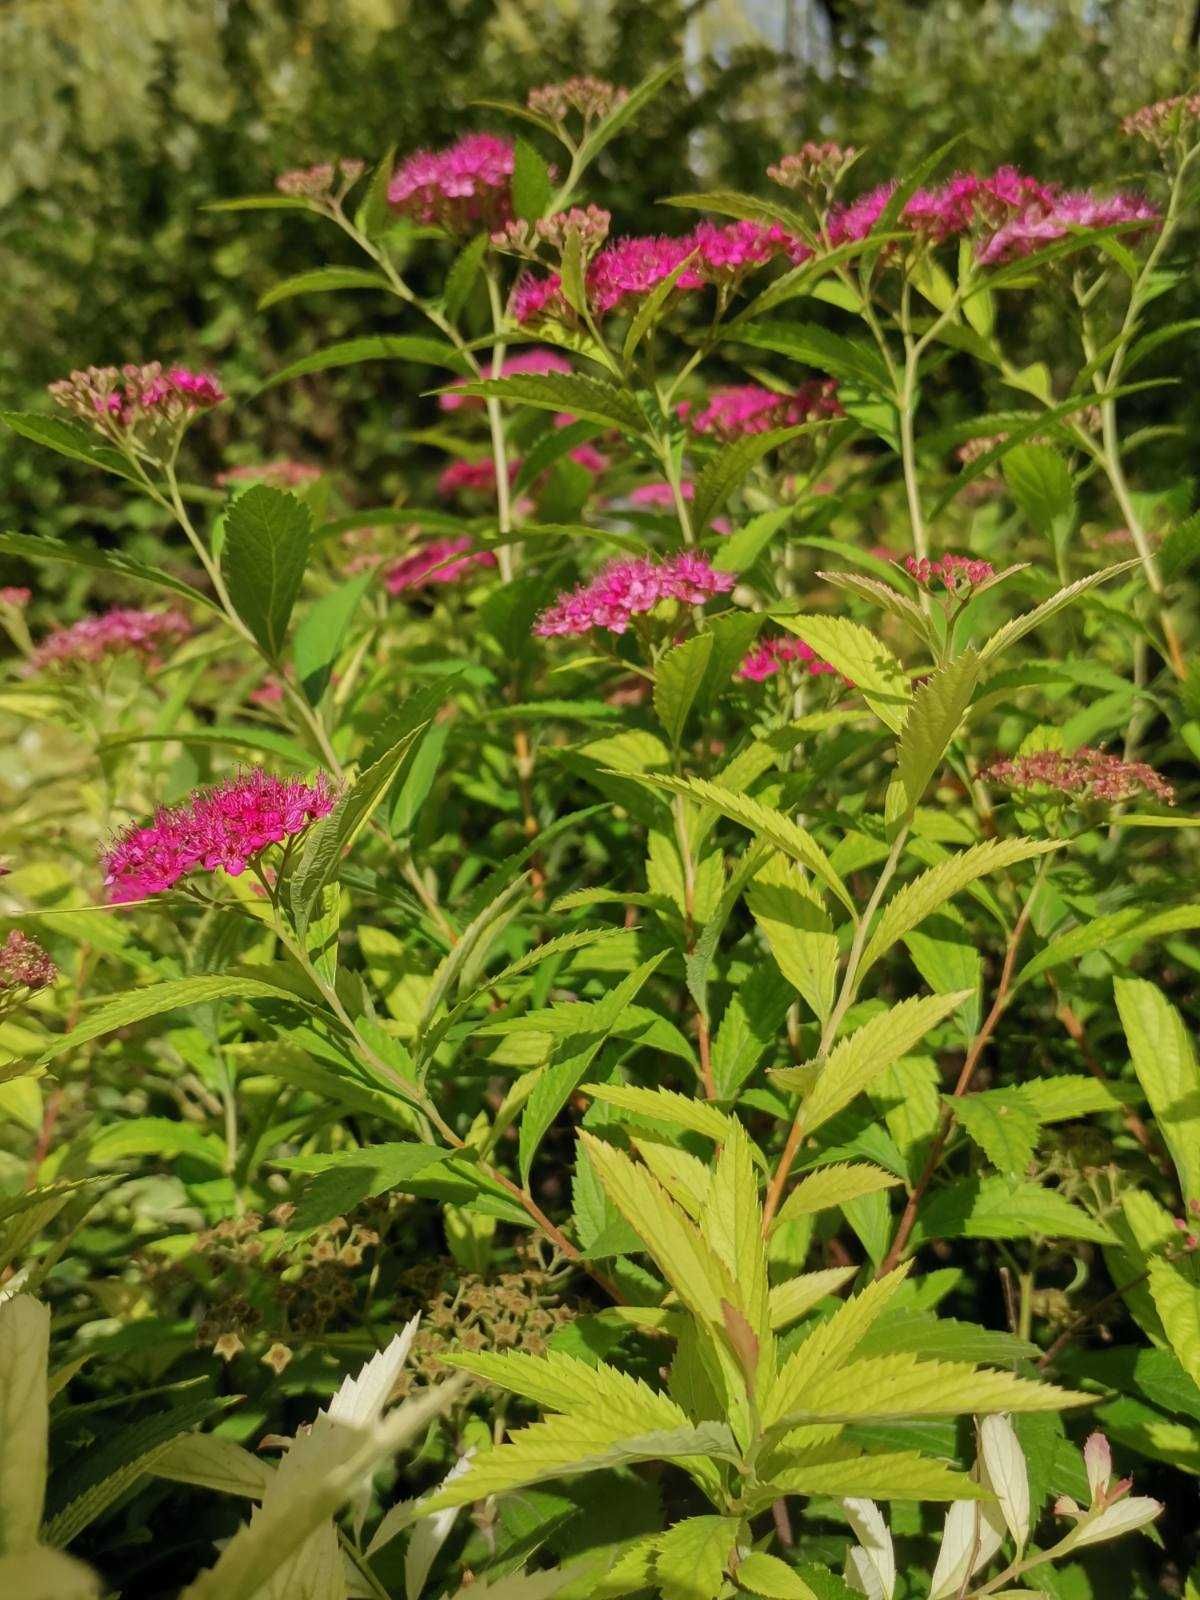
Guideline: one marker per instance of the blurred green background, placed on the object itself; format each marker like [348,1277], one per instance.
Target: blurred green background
[121,118]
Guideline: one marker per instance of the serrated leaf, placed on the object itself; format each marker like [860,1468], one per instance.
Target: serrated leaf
[1039,480]
[800,933]
[208,1461]
[1132,926]
[374,215]
[665,1105]
[69,439]
[833,1186]
[531,185]
[692,1557]
[318,639]
[325,280]
[43,547]
[622,114]
[921,897]
[731,465]
[1175,1287]
[860,656]
[995,1208]
[1017,627]
[897,1475]
[790,1300]
[771,1579]
[1164,1059]
[24,1420]
[933,720]
[860,1058]
[583,397]
[463,275]
[1002,1124]
[416,348]
[158,1136]
[677,681]
[268,535]
[852,361]
[1180,550]
[42,1574]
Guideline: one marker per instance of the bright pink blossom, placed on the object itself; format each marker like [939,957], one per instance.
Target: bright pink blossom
[24,964]
[268,693]
[658,496]
[471,477]
[439,561]
[964,202]
[771,655]
[625,589]
[749,408]
[1042,224]
[954,573]
[225,827]
[1084,774]
[539,362]
[112,398]
[463,188]
[121,631]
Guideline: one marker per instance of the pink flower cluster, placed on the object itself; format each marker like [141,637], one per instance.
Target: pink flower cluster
[954,573]
[748,408]
[463,188]
[1085,774]
[439,561]
[628,269]
[16,597]
[24,964]
[224,827]
[1014,212]
[471,477]
[658,496]
[625,589]
[116,632]
[1165,120]
[278,474]
[815,166]
[590,97]
[111,397]
[542,363]
[771,655]
[317,183]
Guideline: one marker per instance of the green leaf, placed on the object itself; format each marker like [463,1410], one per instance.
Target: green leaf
[42,1574]
[1128,928]
[1164,1059]
[932,723]
[325,280]
[833,1186]
[851,360]
[374,215]
[899,1475]
[770,1578]
[650,308]
[1017,627]
[24,1420]
[156,1136]
[1003,1124]
[860,656]
[375,347]
[1176,1291]
[42,547]
[742,548]
[531,185]
[995,1208]
[731,465]
[920,898]
[1180,550]
[859,1059]
[343,1180]
[1039,480]
[68,439]
[318,638]
[122,1010]
[561,391]
[665,1105]
[800,933]
[267,540]
[676,682]
[692,1557]
[463,276]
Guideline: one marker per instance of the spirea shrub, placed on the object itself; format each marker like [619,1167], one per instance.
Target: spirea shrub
[682,917]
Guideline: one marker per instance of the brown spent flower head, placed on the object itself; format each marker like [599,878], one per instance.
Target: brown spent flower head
[24,964]
[815,169]
[1085,774]
[1164,121]
[319,182]
[525,239]
[592,98]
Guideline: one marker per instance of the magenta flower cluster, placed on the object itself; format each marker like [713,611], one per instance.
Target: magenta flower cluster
[628,269]
[1012,212]
[24,964]
[953,573]
[439,561]
[118,632]
[771,655]
[1085,774]
[471,477]
[625,589]
[463,188]
[16,596]
[225,827]
[748,408]
[126,396]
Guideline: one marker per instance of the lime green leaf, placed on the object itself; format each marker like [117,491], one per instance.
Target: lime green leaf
[1039,480]
[1002,1124]
[860,656]
[933,720]
[1176,1291]
[995,1208]
[1131,926]
[909,907]
[899,1475]
[833,1186]
[692,1557]
[800,933]
[676,682]
[156,1136]
[1018,627]
[319,637]
[732,464]
[771,1579]
[791,1299]
[665,1105]
[43,1574]
[1164,1059]
[267,538]
[531,185]
[583,397]
[24,1420]
[375,347]
[325,280]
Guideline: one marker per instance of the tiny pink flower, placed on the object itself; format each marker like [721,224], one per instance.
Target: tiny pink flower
[772,655]
[1085,774]
[24,964]
[625,589]
[658,496]
[954,573]
[224,827]
[463,188]
[268,693]
[471,477]
[121,631]
[440,561]
[748,408]
[16,597]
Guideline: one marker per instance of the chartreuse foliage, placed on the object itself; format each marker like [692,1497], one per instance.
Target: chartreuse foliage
[749,1047]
